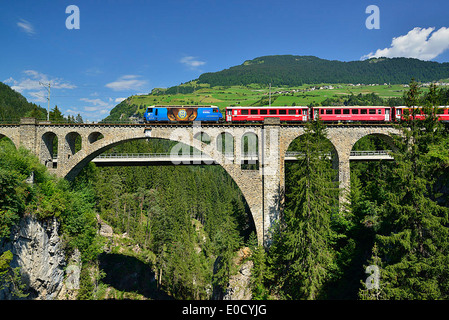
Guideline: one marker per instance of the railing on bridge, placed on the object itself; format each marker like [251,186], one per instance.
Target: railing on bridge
[289,156]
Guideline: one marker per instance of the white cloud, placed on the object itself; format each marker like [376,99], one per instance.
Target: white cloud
[32,82]
[30,85]
[96,107]
[127,82]
[26,27]
[416,44]
[192,62]
[118,100]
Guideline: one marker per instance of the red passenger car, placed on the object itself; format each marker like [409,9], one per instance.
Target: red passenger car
[286,113]
[404,113]
[353,113]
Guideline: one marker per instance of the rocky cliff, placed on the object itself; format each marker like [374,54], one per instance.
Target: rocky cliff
[37,249]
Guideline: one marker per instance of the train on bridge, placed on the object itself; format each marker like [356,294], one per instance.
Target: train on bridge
[329,114]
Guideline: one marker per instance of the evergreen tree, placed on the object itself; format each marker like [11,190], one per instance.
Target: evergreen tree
[412,237]
[303,249]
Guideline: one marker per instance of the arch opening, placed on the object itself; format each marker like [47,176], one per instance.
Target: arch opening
[94,137]
[73,144]
[6,139]
[49,149]
[295,161]
[157,145]
[250,151]
[225,144]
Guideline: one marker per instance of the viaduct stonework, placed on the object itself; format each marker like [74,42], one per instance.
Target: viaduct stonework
[263,188]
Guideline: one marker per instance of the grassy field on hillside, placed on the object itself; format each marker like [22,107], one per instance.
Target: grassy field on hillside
[257,95]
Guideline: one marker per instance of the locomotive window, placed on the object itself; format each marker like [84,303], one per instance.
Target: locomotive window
[282,111]
[273,111]
[363,111]
[254,112]
[372,111]
[304,112]
[355,111]
[215,110]
[244,112]
[150,110]
[291,111]
[337,111]
[329,111]
[155,112]
[345,111]
[263,111]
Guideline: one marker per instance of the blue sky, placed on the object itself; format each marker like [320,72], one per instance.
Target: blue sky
[130,47]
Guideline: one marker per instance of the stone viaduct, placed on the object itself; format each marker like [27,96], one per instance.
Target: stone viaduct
[263,188]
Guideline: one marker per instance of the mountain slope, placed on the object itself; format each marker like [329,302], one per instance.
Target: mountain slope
[13,105]
[297,70]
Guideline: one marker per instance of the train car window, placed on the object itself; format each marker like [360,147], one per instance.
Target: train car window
[254,112]
[363,111]
[329,111]
[337,111]
[379,111]
[273,111]
[355,111]
[345,111]
[372,111]
[322,111]
[263,111]
[282,111]
[398,112]
[244,112]
[304,112]
[291,111]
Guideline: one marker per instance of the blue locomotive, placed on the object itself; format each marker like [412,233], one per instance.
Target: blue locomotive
[182,114]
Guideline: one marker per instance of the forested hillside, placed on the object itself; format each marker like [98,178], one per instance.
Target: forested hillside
[13,105]
[289,70]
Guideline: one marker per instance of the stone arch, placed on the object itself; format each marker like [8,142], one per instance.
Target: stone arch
[249,183]
[290,146]
[385,138]
[225,143]
[49,148]
[72,143]
[250,143]
[95,136]
[8,139]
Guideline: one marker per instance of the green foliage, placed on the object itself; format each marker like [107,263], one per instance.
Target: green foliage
[302,257]
[13,105]
[411,246]
[297,70]
[190,217]
[46,197]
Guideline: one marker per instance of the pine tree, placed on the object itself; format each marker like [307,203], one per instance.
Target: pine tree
[413,234]
[304,246]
